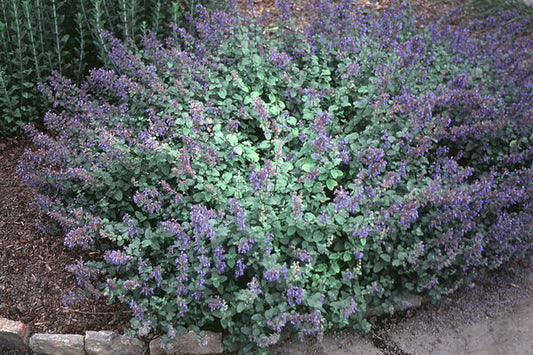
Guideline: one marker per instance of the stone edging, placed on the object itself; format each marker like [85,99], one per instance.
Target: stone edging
[16,336]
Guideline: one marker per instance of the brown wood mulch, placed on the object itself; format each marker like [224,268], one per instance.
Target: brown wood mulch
[33,278]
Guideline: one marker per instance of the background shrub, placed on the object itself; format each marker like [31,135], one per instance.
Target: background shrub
[263,182]
[39,36]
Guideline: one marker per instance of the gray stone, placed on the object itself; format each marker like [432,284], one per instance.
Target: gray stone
[190,343]
[14,335]
[110,343]
[57,344]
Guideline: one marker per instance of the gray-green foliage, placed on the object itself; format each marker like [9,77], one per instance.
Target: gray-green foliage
[40,36]
[275,183]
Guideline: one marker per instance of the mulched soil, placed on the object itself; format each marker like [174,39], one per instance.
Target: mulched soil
[32,265]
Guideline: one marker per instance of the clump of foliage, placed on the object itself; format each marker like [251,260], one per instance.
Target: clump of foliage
[39,36]
[264,182]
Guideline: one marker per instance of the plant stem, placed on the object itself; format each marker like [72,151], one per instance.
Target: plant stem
[30,29]
[56,34]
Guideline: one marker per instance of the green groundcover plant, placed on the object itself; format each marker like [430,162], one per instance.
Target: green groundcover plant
[262,181]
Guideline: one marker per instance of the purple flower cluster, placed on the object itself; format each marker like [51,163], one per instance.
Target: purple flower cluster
[321,142]
[351,309]
[280,60]
[268,242]
[83,273]
[294,295]
[84,235]
[296,201]
[415,253]
[215,303]
[408,213]
[271,275]
[200,217]
[261,110]
[147,199]
[72,298]
[391,178]
[260,179]
[302,255]
[305,323]
[253,289]
[130,227]
[238,213]
[344,201]
[240,266]
[219,257]
[362,232]
[245,245]
[321,121]
[358,254]
[182,306]
[182,267]
[138,311]
[373,159]
[116,257]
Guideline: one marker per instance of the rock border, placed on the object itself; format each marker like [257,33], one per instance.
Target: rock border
[15,335]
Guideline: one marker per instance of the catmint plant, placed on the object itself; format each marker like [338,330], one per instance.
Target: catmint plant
[271,183]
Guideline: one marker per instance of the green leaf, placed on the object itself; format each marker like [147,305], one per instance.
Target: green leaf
[244,88]
[309,217]
[331,184]
[118,195]
[264,145]
[403,255]
[238,150]
[232,139]
[252,155]
[378,267]
[352,137]
[335,268]
[335,173]
[222,93]
[291,120]
[140,216]
[396,263]
[288,166]
[307,167]
[226,176]
[340,219]
[314,301]
[385,257]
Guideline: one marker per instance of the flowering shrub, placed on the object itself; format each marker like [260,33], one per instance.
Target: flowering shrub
[260,182]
